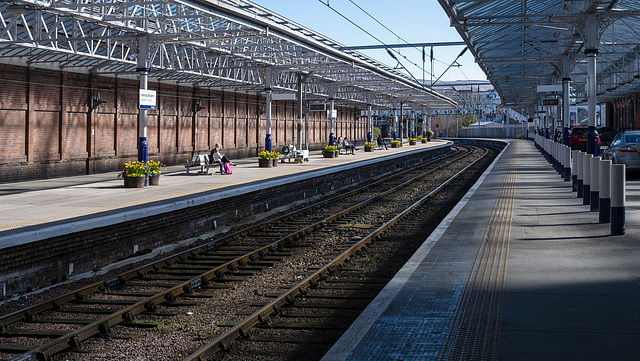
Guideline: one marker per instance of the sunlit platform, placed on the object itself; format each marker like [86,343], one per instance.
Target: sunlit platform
[520,270]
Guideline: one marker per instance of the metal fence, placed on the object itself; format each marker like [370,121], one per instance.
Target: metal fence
[513,131]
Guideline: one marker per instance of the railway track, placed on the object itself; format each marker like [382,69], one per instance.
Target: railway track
[333,229]
[304,321]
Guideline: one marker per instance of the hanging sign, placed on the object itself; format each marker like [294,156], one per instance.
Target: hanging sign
[549,88]
[284,96]
[317,107]
[147,99]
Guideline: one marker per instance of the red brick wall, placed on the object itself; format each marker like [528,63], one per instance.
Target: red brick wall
[624,113]
[47,128]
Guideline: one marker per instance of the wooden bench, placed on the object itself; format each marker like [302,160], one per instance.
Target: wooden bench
[200,160]
[341,148]
[384,144]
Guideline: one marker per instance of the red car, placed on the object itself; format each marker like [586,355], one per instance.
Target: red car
[578,138]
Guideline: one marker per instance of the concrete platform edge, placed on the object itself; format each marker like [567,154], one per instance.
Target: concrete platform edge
[350,340]
[16,237]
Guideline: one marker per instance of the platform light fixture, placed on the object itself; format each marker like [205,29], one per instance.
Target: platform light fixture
[197,106]
[96,101]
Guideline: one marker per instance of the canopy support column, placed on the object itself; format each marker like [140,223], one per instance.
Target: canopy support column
[369,118]
[332,117]
[269,89]
[591,52]
[424,123]
[143,70]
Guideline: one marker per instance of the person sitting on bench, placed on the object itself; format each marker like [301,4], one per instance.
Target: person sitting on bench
[221,159]
[348,146]
[382,143]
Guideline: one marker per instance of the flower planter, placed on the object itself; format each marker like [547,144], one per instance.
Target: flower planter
[134,182]
[368,149]
[275,162]
[154,179]
[395,145]
[412,142]
[329,154]
[265,163]
[424,140]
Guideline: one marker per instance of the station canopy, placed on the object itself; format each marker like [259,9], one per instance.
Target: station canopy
[521,44]
[219,44]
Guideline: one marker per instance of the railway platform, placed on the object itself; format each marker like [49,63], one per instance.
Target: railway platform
[46,208]
[56,230]
[519,270]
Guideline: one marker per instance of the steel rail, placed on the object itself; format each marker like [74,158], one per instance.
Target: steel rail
[29,312]
[103,326]
[243,328]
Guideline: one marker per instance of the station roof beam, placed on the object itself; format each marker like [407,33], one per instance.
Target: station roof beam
[225,44]
[522,44]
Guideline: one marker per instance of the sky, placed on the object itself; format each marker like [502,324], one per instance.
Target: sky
[407,21]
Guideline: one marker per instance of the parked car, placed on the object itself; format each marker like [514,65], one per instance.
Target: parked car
[606,134]
[624,149]
[578,138]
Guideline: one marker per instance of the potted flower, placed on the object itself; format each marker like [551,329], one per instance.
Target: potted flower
[395,144]
[329,151]
[412,141]
[368,146]
[265,159]
[155,168]
[274,158]
[134,174]
[429,134]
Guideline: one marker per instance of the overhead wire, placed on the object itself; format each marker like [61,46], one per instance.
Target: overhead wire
[399,37]
[376,38]
[392,32]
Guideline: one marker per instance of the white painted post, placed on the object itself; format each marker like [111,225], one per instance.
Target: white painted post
[574,169]
[618,197]
[604,178]
[594,162]
[586,179]
[580,174]
[567,163]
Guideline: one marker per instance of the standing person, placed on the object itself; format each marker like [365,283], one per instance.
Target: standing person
[221,159]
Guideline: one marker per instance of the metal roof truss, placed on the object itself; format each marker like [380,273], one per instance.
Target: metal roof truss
[524,43]
[224,44]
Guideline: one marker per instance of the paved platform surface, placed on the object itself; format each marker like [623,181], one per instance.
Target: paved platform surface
[520,270]
[35,210]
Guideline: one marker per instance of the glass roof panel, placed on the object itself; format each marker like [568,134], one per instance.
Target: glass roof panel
[524,43]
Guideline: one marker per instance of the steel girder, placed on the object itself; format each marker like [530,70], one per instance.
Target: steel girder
[222,44]
[524,43]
